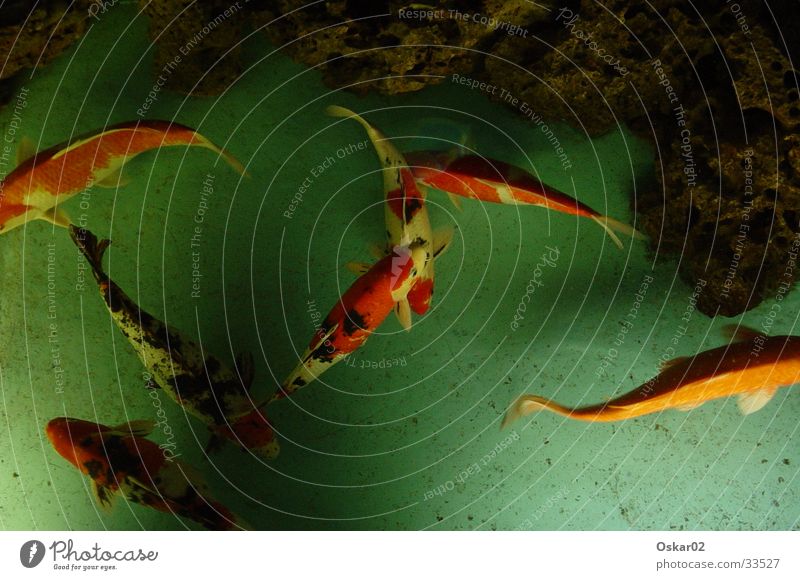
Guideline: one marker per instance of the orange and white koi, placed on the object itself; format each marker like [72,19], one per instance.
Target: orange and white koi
[195,379]
[406,218]
[120,461]
[489,180]
[753,367]
[357,314]
[43,181]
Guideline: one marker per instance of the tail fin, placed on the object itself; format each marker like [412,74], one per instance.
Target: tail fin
[337,111]
[228,157]
[232,161]
[91,248]
[610,225]
[223,519]
[528,404]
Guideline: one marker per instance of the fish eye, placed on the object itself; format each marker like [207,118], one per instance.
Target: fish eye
[413,271]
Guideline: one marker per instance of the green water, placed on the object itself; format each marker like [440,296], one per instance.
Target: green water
[407,436]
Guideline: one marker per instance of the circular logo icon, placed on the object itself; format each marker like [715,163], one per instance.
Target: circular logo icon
[31,553]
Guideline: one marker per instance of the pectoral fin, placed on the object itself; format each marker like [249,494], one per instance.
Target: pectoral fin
[358,268]
[377,252]
[57,216]
[103,495]
[246,367]
[740,333]
[215,443]
[25,150]
[113,180]
[455,200]
[441,240]
[689,406]
[403,311]
[753,401]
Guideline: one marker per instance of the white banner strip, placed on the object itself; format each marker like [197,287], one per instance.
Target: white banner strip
[355,555]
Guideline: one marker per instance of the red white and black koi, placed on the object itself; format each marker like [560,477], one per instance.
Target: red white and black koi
[406,217]
[357,314]
[204,386]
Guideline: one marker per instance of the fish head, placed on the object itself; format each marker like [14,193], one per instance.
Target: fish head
[407,265]
[75,440]
[254,433]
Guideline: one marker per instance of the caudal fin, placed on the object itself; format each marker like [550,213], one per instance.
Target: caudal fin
[342,112]
[220,518]
[528,404]
[610,225]
[228,157]
[91,248]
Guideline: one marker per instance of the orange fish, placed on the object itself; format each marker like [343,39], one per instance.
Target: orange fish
[44,180]
[357,314]
[119,460]
[753,367]
[477,177]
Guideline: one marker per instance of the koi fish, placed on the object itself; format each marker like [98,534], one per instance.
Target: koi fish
[752,368]
[357,314]
[199,382]
[43,181]
[406,218]
[120,461]
[476,177]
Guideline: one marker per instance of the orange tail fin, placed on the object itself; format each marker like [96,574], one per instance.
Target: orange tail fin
[528,404]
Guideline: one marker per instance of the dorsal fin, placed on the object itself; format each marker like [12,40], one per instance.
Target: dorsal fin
[321,339]
[25,150]
[740,333]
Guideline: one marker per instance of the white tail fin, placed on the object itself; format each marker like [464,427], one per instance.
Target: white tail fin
[609,224]
[526,405]
[337,111]
[603,221]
